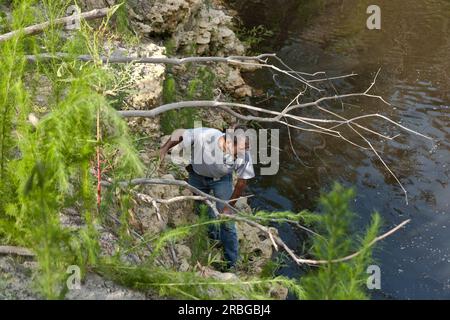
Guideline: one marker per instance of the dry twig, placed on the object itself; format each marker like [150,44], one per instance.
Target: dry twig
[38,28]
[18,251]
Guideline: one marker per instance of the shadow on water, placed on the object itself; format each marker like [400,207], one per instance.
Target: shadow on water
[412,49]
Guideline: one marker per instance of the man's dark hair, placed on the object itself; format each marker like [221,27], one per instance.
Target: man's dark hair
[231,135]
[235,127]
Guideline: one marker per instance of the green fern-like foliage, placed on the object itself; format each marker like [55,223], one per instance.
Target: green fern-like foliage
[14,102]
[191,285]
[46,167]
[344,280]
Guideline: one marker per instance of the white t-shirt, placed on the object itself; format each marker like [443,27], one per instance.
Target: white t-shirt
[209,160]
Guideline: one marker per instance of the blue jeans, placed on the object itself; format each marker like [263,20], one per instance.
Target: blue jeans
[225,232]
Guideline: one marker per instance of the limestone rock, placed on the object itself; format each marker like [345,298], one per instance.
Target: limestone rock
[147,77]
[184,255]
[231,80]
[217,119]
[217,275]
[161,17]
[16,280]
[191,22]
[71,218]
[204,37]
[149,219]
[243,91]
[95,287]
[196,28]
[210,31]
[143,81]
[149,127]
[174,214]
[278,292]
[256,245]
[96,4]
[108,243]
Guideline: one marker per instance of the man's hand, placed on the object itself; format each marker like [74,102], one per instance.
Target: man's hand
[162,154]
[227,210]
[175,138]
[238,190]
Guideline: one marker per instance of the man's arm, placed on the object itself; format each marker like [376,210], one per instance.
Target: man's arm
[237,192]
[175,138]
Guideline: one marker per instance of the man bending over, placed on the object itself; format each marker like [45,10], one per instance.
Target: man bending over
[214,157]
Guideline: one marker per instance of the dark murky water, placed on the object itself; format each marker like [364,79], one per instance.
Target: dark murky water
[412,48]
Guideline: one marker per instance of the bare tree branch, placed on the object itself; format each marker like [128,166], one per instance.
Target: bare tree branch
[18,251]
[317,125]
[260,61]
[151,60]
[38,28]
[148,199]
[379,238]
[180,183]
[276,240]
[299,260]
